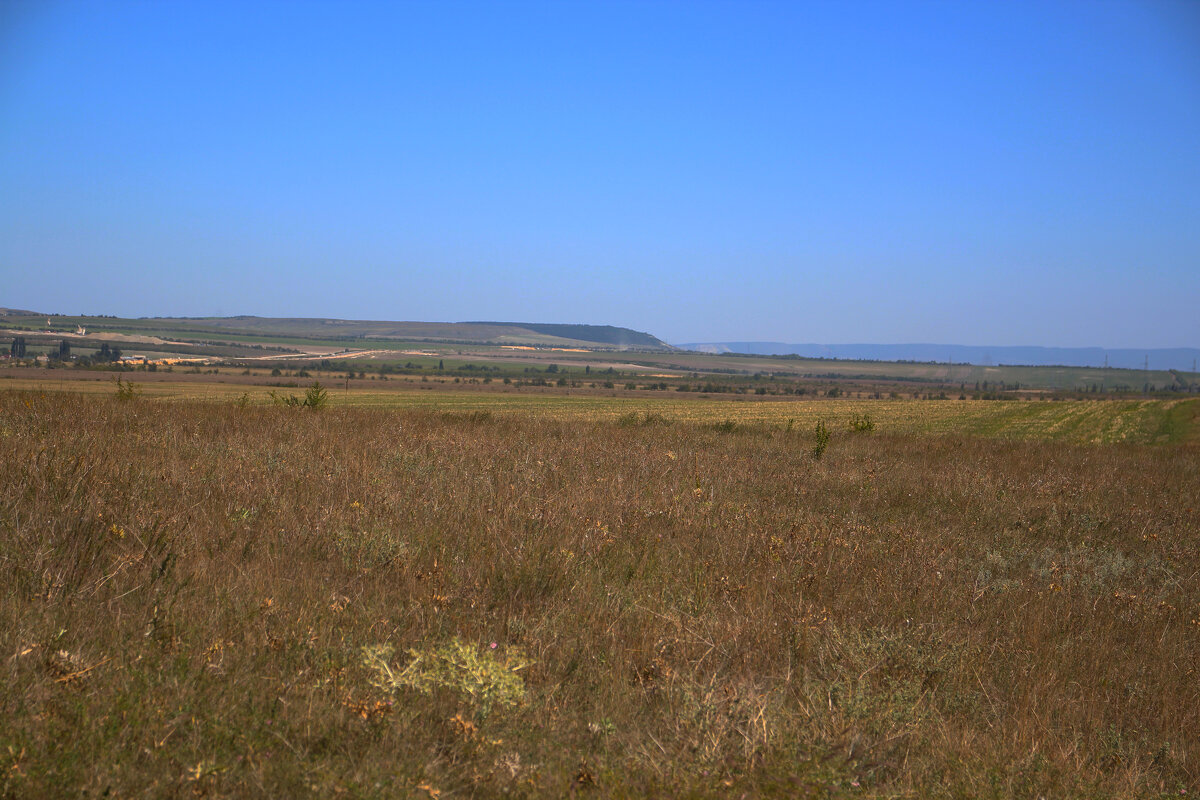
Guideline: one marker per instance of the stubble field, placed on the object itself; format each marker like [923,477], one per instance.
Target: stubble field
[202,598]
[1171,420]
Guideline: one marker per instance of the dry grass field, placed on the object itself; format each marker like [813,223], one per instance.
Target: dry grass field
[1163,420]
[538,598]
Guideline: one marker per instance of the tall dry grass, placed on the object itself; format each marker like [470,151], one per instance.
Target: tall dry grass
[186,592]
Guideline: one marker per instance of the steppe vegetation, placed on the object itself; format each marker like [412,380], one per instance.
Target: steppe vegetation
[236,598]
[1166,419]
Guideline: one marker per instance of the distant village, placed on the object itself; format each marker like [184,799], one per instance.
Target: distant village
[105,353]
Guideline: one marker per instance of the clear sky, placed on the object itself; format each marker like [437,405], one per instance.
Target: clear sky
[962,172]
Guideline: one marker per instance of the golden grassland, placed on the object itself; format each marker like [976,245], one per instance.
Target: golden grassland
[214,599]
[1157,420]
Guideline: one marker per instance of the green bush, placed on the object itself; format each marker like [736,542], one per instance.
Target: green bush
[862,423]
[822,434]
[287,400]
[316,397]
[126,390]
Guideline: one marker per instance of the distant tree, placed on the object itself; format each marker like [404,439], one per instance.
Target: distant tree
[64,350]
[552,368]
[18,347]
[440,364]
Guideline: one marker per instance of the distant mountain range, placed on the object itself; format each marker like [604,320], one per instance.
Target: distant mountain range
[1180,358]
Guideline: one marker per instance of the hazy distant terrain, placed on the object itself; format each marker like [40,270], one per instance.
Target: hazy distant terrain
[515,350]
[562,335]
[1182,358]
[289,330]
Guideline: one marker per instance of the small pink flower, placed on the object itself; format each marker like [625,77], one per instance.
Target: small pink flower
[492,645]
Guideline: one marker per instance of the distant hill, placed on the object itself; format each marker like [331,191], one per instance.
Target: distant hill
[1180,358]
[602,334]
[512,333]
[486,332]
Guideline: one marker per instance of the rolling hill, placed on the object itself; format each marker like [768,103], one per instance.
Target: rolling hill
[606,337]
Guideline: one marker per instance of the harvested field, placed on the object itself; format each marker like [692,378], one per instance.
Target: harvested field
[1107,421]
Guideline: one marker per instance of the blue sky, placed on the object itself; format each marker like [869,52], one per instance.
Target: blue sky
[977,173]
